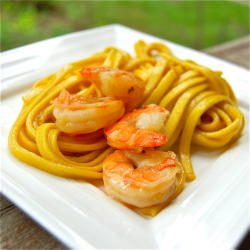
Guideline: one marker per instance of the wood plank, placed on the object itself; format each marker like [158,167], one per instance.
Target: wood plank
[18,231]
[236,52]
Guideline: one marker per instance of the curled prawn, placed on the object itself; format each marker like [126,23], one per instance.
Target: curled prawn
[119,84]
[139,129]
[77,114]
[141,179]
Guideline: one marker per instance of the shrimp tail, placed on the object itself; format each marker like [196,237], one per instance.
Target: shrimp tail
[93,73]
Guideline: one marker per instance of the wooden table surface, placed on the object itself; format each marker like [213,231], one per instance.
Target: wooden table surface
[18,231]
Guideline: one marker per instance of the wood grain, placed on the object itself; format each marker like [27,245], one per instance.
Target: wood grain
[236,52]
[18,231]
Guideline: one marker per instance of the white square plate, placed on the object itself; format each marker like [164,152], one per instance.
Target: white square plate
[212,212]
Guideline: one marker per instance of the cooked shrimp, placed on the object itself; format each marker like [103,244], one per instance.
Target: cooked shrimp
[141,128]
[77,114]
[141,179]
[119,84]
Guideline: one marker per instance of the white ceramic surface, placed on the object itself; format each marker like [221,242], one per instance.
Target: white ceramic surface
[212,212]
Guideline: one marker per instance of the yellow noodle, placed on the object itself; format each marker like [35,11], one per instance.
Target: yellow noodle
[136,62]
[155,76]
[174,93]
[203,111]
[86,157]
[26,142]
[163,86]
[81,147]
[214,124]
[175,118]
[189,127]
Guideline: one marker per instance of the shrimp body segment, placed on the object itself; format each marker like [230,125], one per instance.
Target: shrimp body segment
[141,179]
[141,128]
[119,84]
[80,114]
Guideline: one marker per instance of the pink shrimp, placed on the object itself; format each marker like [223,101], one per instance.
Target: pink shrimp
[77,114]
[141,179]
[119,84]
[142,128]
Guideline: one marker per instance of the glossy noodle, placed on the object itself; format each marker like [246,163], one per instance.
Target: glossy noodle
[203,111]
